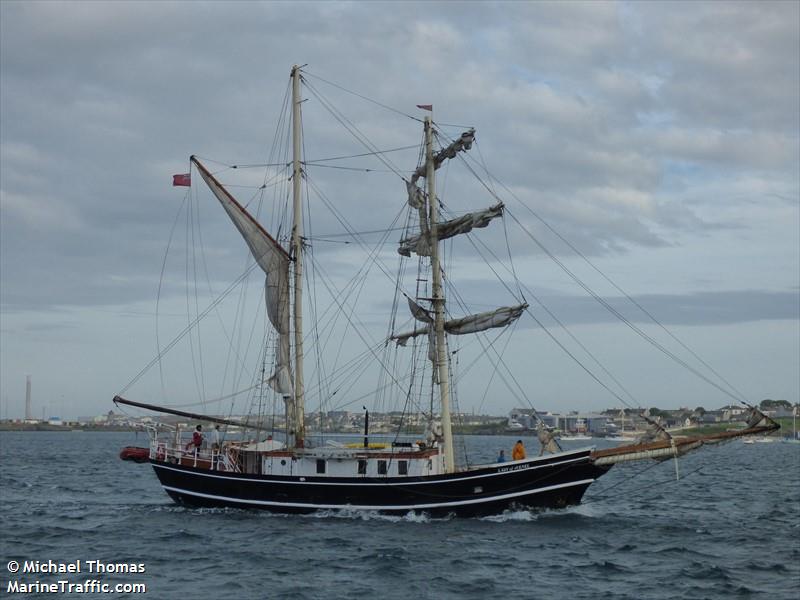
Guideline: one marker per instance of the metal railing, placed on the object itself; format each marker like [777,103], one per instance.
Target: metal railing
[222,459]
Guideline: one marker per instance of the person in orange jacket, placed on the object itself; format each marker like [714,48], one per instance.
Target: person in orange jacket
[518,453]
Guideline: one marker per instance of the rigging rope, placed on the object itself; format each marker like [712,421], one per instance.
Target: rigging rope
[358,169]
[336,85]
[353,130]
[474,240]
[160,284]
[319,160]
[188,328]
[619,316]
[736,395]
[361,335]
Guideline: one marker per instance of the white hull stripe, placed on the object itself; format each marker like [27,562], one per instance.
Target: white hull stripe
[395,481]
[380,506]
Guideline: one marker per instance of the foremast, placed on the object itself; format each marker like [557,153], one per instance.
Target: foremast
[298,419]
[426,244]
[442,362]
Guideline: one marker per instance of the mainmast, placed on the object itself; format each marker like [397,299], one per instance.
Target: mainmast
[298,420]
[442,364]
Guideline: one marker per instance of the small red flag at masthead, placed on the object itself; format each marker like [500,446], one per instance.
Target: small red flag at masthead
[425,107]
[184,179]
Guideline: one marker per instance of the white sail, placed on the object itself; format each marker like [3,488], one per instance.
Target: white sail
[420,243]
[500,317]
[274,261]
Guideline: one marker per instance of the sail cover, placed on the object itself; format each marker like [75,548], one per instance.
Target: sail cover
[274,261]
[500,317]
[420,243]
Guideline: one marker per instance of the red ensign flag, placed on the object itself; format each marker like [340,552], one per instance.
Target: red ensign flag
[184,179]
[425,107]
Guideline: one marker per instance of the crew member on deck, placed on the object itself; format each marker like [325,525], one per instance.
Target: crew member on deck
[216,446]
[502,456]
[518,453]
[197,438]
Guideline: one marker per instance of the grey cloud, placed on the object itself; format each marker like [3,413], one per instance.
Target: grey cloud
[700,308]
[731,65]
[642,132]
[695,309]
[101,102]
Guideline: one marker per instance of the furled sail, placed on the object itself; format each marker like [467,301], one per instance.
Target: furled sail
[462,143]
[274,261]
[655,432]
[547,439]
[500,317]
[420,243]
[419,313]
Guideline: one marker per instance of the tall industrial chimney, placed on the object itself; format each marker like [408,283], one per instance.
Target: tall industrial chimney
[28,412]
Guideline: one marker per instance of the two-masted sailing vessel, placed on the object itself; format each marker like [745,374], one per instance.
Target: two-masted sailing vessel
[292,475]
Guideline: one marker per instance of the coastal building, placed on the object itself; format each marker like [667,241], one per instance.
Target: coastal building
[572,422]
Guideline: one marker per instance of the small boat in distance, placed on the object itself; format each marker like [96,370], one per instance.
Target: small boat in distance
[420,474]
[619,438]
[764,439]
[576,437]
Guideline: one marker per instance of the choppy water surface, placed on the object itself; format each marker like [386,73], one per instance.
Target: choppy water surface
[729,528]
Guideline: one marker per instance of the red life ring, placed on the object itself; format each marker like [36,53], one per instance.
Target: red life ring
[160,452]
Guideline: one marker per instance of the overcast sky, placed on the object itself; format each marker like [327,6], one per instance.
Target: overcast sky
[661,139]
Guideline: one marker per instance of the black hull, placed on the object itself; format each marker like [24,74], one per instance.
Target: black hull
[547,482]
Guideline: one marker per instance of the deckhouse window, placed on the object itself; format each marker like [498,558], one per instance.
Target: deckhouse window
[320,465]
[381,467]
[402,467]
[362,466]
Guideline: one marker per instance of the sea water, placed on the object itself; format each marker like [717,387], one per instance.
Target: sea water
[728,528]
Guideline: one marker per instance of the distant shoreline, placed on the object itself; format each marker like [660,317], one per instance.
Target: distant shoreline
[5,427]
[62,428]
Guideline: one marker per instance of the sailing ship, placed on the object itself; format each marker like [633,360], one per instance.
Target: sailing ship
[294,475]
